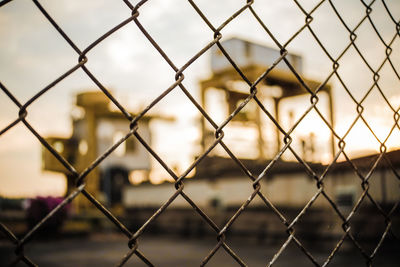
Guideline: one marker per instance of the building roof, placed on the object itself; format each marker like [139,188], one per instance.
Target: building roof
[212,167]
[100,104]
[365,163]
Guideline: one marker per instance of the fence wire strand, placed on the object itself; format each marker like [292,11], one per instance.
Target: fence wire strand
[217,32]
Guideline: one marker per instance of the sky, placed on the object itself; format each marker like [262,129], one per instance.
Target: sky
[33,54]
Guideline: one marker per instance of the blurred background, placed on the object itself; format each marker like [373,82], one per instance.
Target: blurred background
[81,123]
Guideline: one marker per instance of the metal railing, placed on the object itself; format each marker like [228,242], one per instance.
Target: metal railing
[217,31]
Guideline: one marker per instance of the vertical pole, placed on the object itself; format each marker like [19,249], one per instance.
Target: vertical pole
[332,120]
[260,136]
[202,119]
[92,150]
[278,140]
[92,179]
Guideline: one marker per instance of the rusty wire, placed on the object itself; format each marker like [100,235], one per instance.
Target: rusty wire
[133,244]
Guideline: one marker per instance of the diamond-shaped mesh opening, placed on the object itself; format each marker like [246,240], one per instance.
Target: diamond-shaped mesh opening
[280,27]
[357,136]
[314,55]
[38,117]
[373,54]
[115,60]
[321,18]
[387,81]
[194,30]
[350,61]
[311,135]
[351,15]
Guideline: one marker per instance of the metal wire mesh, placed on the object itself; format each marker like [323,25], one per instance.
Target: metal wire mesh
[217,31]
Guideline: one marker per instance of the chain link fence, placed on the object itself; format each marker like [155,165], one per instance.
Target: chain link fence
[217,31]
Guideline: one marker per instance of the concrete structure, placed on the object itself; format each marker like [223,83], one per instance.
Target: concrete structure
[247,54]
[287,184]
[95,131]
[280,84]
[219,188]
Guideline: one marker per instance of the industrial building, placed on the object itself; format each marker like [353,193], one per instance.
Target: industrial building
[95,130]
[219,186]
